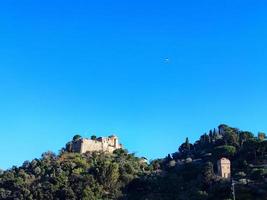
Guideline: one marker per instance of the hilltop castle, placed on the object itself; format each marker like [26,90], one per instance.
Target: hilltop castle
[104,144]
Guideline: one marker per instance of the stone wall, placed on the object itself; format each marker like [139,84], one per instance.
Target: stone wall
[104,144]
[224,168]
[90,145]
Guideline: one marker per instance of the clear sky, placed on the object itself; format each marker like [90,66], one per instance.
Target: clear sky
[99,67]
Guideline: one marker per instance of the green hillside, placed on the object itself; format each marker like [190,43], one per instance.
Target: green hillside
[188,174]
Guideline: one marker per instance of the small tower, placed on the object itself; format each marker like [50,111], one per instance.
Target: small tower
[224,168]
[114,141]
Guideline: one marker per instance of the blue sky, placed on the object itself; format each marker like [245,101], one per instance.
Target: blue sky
[98,67]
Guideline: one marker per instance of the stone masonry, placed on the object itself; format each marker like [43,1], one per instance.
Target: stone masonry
[104,144]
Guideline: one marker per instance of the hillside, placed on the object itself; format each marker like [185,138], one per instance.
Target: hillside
[190,173]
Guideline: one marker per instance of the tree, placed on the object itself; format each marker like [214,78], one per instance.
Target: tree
[261,136]
[88,194]
[205,139]
[76,137]
[262,148]
[122,175]
[250,148]
[187,144]
[230,137]
[224,151]
[49,155]
[207,175]
[211,135]
[257,174]
[244,136]
[222,128]
[93,137]
[186,147]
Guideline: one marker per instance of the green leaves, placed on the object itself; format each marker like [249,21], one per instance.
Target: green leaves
[224,151]
[76,137]
[189,173]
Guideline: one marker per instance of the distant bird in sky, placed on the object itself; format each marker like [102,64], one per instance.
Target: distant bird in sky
[166,60]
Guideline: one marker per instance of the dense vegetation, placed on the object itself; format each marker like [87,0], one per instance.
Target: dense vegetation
[189,173]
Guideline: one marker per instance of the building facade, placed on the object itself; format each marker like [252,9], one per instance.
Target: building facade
[104,144]
[224,168]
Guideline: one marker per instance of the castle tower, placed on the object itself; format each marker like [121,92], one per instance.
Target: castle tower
[114,141]
[224,168]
